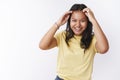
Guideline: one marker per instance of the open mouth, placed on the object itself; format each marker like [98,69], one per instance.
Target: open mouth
[77,29]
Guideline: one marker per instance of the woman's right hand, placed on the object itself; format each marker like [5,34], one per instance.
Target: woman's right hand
[63,19]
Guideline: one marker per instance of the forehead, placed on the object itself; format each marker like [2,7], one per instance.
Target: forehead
[78,15]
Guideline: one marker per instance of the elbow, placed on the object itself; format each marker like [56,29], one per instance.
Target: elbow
[42,47]
[104,50]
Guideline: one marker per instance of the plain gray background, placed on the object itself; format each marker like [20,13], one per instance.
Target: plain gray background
[24,22]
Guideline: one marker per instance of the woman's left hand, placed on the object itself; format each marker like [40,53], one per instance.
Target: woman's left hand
[89,14]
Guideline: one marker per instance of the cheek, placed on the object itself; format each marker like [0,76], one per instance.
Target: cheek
[84,25]
[72,25]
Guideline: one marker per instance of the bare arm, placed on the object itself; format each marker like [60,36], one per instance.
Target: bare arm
[48,41]
[102,44]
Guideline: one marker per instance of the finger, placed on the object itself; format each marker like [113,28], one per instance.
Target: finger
[68,12]
[67,17]
[86,10]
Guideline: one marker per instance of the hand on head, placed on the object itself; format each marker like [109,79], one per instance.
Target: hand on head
[88,12]
[63,19]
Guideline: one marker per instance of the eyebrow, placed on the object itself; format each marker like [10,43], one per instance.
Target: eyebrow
[81,18]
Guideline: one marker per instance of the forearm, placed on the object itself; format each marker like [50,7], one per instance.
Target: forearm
[48,37]
[102,42]
[48,41]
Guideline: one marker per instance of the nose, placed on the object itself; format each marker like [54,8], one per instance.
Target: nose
[78,24]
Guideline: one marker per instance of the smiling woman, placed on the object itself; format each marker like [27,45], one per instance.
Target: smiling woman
[77,44]
[78,22]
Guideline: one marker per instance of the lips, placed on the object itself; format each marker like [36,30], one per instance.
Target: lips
[77,29]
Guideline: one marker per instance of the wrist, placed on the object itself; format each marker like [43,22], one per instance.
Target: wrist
[57,25]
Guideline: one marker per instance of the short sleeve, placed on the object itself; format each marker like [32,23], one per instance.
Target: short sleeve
[59,36]
[93,44]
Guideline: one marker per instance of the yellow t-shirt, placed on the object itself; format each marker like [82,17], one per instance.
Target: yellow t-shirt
[73,63]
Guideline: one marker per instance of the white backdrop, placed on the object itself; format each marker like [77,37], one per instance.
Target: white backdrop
[24,22]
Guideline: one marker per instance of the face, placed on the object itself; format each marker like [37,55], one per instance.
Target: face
[78,22]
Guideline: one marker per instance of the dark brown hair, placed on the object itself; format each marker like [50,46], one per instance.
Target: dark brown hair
[86,35]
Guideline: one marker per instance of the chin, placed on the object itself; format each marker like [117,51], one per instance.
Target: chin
[78,33]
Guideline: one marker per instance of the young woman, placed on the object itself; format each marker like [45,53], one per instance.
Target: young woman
[77,44]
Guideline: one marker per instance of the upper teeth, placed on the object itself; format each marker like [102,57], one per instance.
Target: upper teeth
[77,28]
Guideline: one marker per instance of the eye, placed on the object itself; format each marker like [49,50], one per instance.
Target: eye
[83,20]
[73,20]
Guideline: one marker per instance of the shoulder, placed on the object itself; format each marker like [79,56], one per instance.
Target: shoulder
[93,43]
[94,39]
[60,34]
[60,37]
